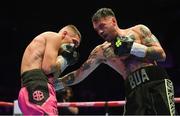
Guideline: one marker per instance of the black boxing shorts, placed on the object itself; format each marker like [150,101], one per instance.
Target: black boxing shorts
[149,91]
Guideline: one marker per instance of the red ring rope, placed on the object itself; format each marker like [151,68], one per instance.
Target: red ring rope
[92,104]
[2,103]
[86,104]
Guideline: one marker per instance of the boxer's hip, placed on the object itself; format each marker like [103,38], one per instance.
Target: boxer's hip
[33,75]
[37,92]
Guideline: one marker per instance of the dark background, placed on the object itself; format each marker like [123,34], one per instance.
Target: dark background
[21,21]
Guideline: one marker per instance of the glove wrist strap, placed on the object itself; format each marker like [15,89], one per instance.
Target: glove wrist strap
[138,50]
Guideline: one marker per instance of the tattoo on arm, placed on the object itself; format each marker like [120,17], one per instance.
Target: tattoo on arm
[93,55]
[87,64]
[132,37]
[152,53]
[150,40]
[148,36]
[154,50]
[69,79]
[145,31]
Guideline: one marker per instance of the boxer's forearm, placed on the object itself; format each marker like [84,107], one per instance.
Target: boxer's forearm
[68,79]
[155,53]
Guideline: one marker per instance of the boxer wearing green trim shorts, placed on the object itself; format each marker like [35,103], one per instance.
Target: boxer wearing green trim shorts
[131,52]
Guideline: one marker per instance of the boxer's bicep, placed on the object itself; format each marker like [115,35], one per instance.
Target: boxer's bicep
[154,51]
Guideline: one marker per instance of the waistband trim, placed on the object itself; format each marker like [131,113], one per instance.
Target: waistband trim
[144,75]
[32,75]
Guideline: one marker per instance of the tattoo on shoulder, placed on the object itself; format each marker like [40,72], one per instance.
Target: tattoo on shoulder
[147,35]
[151,39]
[145,31]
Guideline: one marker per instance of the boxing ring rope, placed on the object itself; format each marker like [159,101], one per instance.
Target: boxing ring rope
[85,104]
[99,103]
[2,103]
[92,104]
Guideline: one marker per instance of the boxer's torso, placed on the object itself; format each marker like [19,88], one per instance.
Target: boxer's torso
[127,64]
[34,53]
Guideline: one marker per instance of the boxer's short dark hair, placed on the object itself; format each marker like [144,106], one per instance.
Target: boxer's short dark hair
[101,13]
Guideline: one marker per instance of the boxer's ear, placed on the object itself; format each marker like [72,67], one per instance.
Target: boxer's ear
[64,34]
[114,21]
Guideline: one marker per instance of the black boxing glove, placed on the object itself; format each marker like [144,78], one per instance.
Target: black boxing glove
[125,45]
[68,56]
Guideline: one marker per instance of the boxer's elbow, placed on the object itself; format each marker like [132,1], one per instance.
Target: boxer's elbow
[162,56]
[46,69]
[156,53]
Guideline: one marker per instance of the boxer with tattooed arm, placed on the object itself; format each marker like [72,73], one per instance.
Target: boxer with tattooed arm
[133,53]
